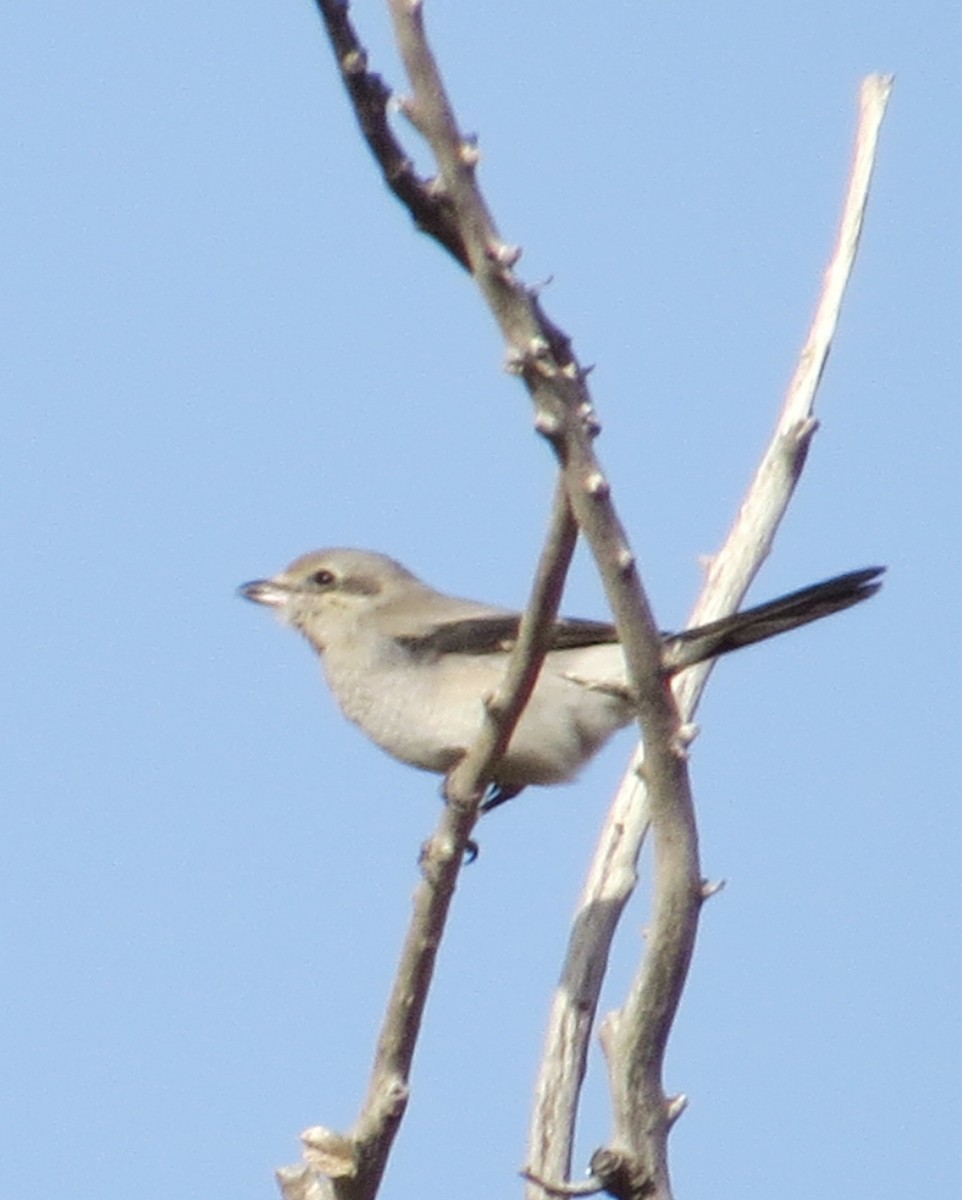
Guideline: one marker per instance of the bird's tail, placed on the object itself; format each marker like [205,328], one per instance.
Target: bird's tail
[766,620]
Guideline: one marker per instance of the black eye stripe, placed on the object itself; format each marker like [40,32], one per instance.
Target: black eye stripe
[359,585]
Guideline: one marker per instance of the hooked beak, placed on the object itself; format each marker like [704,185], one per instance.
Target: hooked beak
[265,591]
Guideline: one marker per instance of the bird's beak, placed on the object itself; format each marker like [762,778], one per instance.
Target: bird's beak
[265,591]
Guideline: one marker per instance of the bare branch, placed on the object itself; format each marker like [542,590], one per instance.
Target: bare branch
[350,1167]
[452,210]
[749,542]
[610,883]
[503,710]
[543,357]
[354,1164]
[370,98]
[541,354]
[612,875]
[357,1162]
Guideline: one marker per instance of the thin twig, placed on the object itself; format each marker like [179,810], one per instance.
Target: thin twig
[750,539]
[370,98]
[503,710]
[350,1167]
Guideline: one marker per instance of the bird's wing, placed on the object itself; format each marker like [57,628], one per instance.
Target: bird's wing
[496,634]
[572,632]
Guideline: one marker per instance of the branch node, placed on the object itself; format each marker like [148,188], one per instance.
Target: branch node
[514,362]
[589,1187]
[688,731]
[589,419]
[434,188]
[395,1093]
[301,1183]
[804,431]
[405,106]
[597,486]
[534,290]
[795,441]
[330,1153]
[504,254]
[546,367]
[685,734]
[625,560]
[547,424]
[621,1175]
[674,1107]
[469,153]
[434,852]
[711,887]
[354,62]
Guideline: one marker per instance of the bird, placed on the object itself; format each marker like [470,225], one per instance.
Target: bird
[412,666]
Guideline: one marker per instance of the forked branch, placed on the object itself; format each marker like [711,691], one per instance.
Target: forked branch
[452,209]
[612,874]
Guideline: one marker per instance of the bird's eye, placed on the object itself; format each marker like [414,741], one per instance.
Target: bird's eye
[323,577]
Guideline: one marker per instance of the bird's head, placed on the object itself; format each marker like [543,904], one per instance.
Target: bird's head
[327,592]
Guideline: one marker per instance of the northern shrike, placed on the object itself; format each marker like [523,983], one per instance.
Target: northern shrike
[411,666]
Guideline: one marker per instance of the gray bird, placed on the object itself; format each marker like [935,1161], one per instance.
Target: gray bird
[411,665]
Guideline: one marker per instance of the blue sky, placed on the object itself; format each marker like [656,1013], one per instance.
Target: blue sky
[225,345]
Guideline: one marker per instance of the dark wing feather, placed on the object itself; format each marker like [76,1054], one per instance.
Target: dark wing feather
[497,634]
